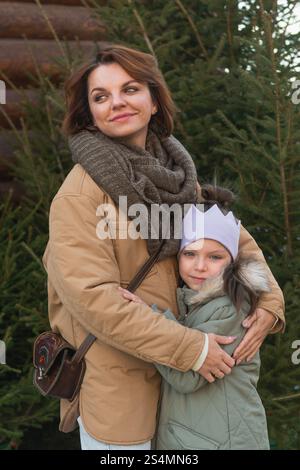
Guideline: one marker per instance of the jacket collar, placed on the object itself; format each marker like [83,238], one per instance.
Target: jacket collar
[251,272]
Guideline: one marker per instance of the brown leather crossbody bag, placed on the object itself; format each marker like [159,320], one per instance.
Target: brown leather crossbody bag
[59,367]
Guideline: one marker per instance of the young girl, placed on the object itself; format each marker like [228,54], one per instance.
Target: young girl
[218,291]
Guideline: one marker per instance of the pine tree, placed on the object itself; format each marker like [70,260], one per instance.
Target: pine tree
[263,155]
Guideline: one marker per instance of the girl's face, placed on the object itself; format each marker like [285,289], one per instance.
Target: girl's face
[110,95]
[201,260]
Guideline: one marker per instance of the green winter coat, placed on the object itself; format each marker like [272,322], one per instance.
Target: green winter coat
[225,414]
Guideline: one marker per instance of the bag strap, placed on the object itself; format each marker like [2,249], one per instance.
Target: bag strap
[142,273]
[132,286]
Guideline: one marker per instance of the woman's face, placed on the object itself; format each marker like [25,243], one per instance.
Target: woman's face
[201,260]
[110,95]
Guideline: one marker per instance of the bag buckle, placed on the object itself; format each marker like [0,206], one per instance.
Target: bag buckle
[40,376]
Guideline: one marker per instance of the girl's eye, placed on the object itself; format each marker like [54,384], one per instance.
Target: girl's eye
[188,253]
[215,257]
[98,97]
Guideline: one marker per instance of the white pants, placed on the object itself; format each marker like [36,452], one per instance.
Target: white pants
[89,443]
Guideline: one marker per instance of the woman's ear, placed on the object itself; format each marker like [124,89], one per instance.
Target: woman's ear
[154,108]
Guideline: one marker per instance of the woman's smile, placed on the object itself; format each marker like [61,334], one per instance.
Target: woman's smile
[124,117]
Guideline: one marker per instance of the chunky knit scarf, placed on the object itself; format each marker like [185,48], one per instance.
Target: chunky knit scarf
[162,173]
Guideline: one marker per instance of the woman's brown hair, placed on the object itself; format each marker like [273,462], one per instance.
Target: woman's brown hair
[139,65]
[234,286]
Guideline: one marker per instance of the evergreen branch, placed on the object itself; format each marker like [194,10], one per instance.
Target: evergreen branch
[36,66]
[28,151]
[142,26]
[229,15]
[52,134]
[287,397]
[56,38]
[10,122]
[217,53]
[193,26]
[231,126]
[267,22]
[34,256]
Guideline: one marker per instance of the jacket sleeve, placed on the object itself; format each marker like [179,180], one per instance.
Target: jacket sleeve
[272,301]
[84,272]
[224,321]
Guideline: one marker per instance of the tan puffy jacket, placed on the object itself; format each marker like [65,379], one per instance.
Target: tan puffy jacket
[120,392]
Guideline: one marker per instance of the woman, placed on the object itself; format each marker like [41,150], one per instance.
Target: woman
[134,156]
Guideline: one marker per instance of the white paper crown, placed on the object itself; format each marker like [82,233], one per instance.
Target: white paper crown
[212,224]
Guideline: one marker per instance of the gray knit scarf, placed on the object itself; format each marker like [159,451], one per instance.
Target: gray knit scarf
[162,173]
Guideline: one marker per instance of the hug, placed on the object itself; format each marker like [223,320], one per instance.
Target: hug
[176,363]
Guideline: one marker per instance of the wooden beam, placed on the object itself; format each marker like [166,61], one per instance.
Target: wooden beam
[16,58]
[18,20]
[14,107]
[7,144]
[13,187]
[64,2]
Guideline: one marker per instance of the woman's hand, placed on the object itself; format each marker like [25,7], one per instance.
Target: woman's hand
[259,325]
[130,296]
[217,363]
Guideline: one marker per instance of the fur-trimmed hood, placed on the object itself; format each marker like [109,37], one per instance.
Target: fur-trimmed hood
[250,272]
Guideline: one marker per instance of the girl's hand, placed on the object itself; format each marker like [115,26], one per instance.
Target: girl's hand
[130,296]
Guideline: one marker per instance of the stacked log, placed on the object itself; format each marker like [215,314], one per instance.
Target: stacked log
[19,19]
[28,46]
[14,110]
[20,59]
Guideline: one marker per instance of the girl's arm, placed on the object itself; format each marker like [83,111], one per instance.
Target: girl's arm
[186,382]
[224,321]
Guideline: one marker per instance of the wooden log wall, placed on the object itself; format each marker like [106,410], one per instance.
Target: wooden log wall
[26,40]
